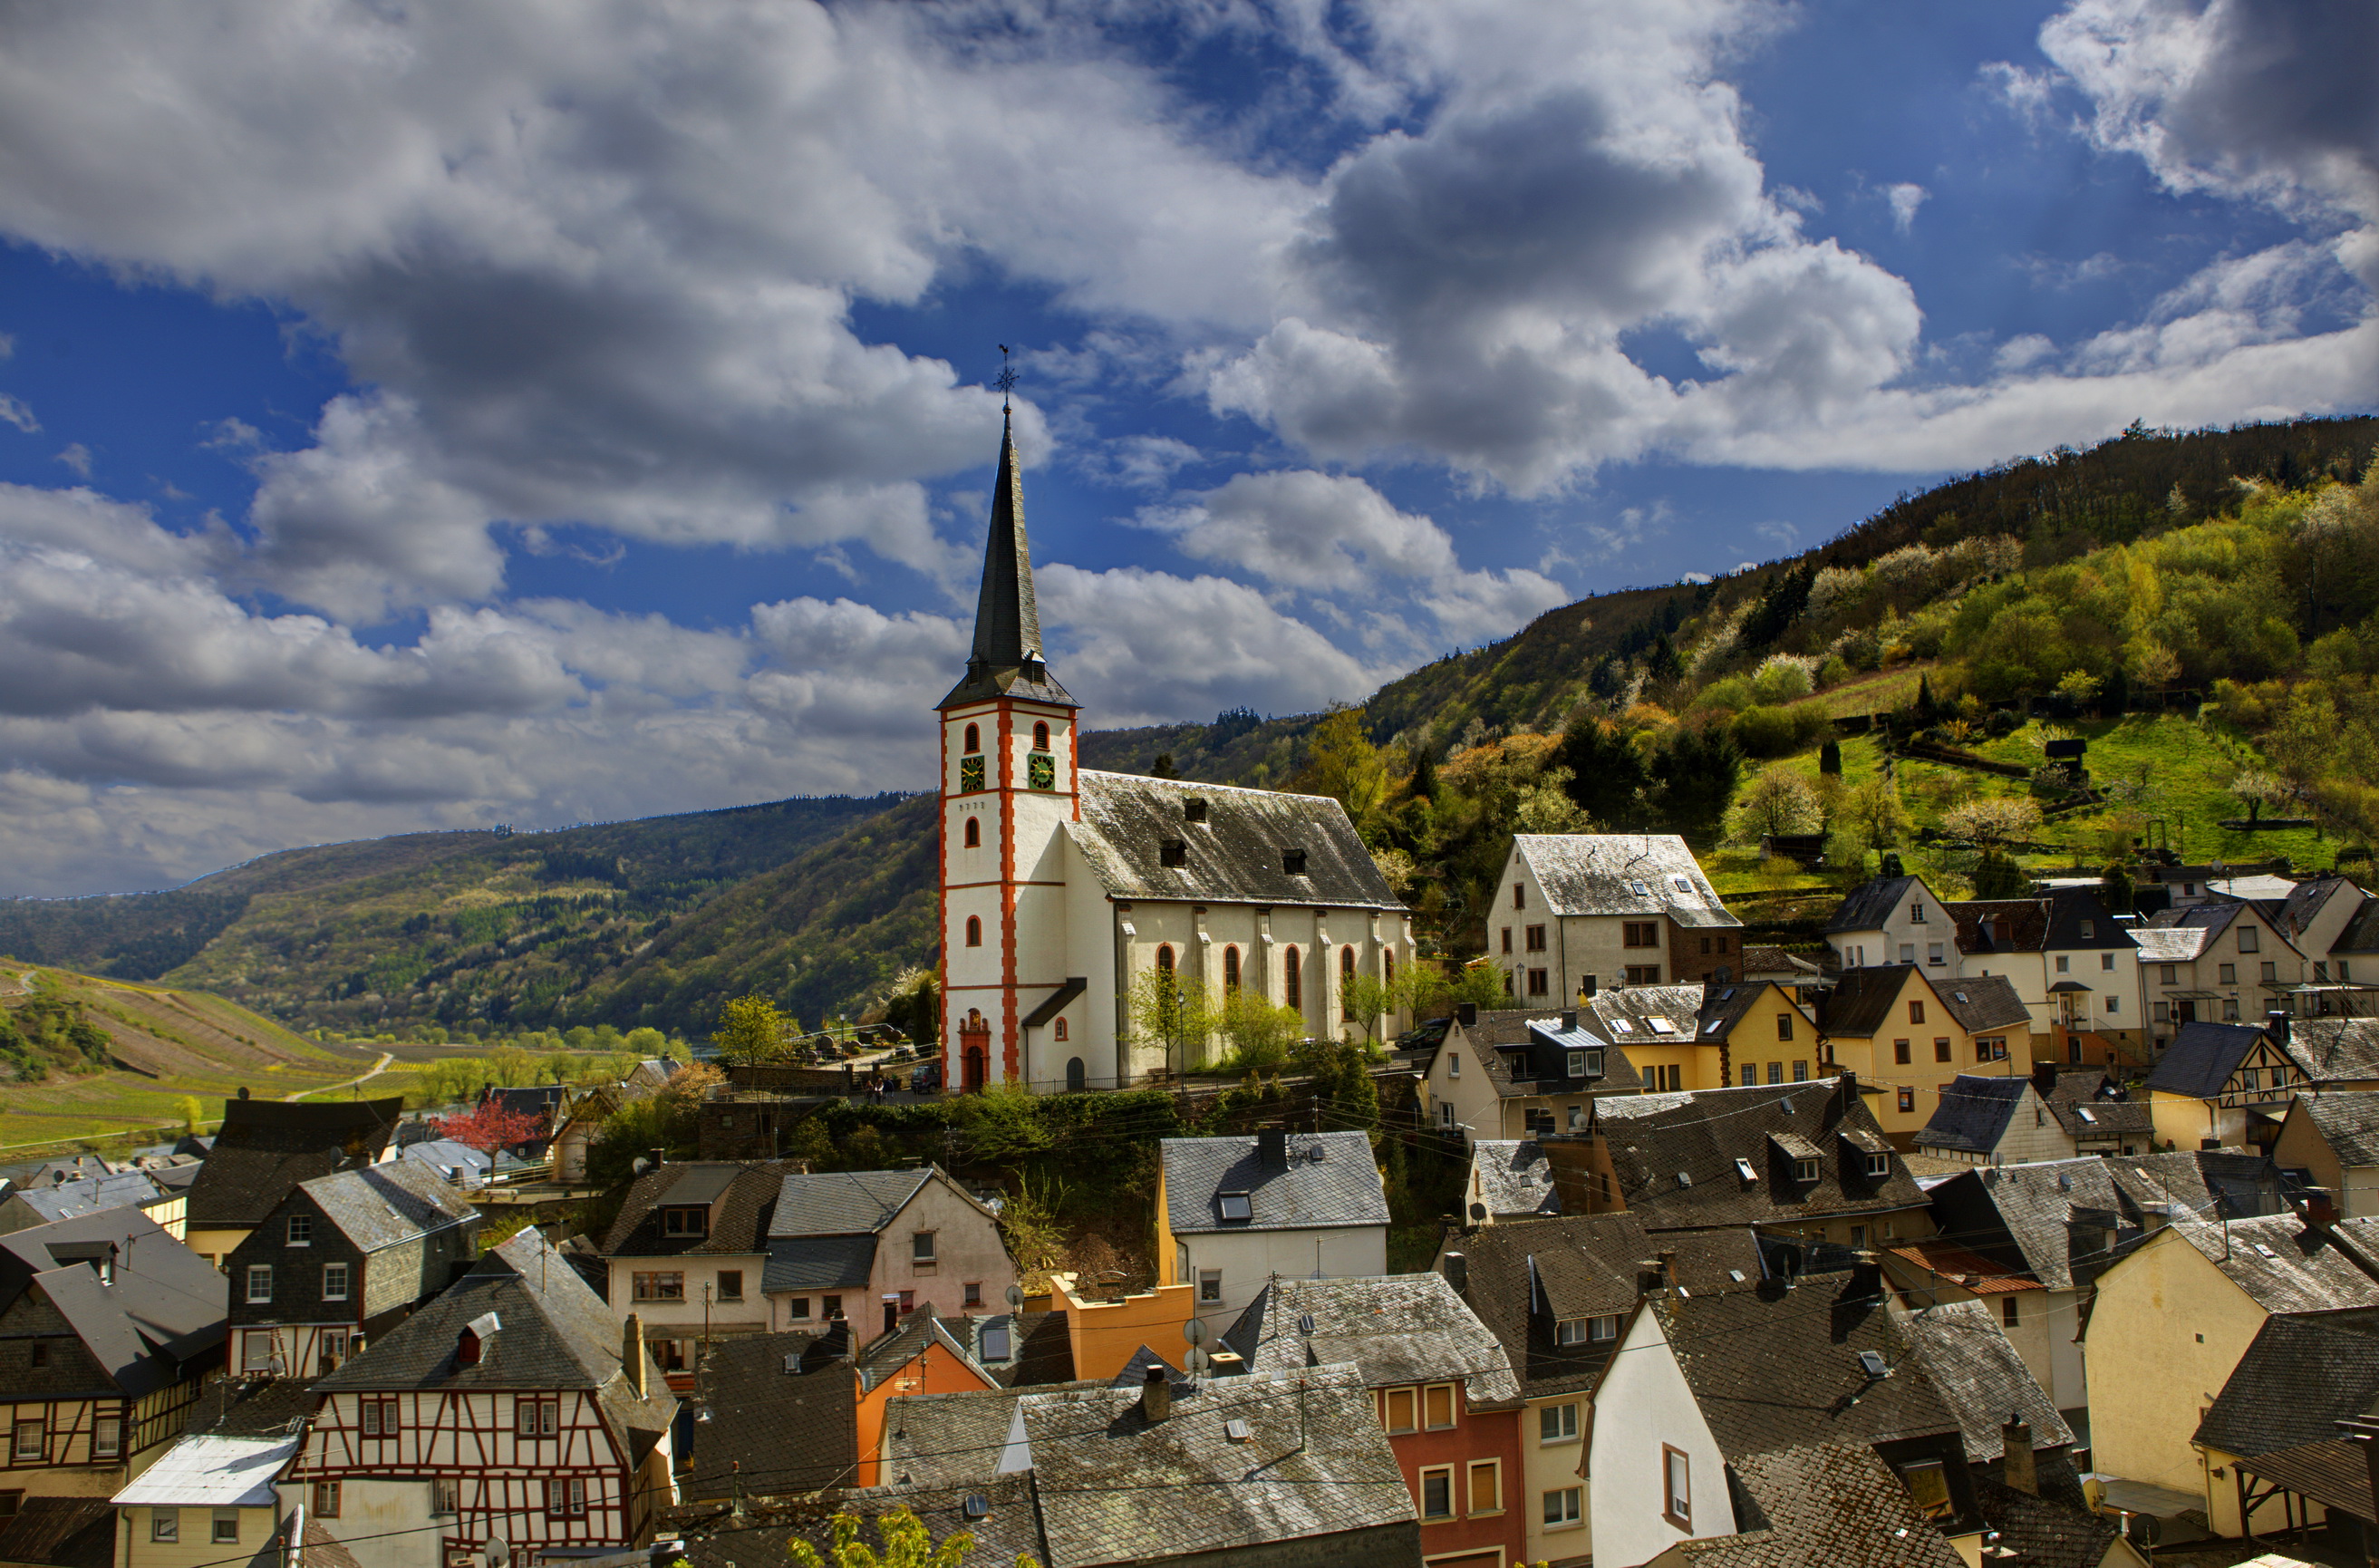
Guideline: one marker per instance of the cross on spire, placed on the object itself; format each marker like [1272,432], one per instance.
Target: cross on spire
[1005,381]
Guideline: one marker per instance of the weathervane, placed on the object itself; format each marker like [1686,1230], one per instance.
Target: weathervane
[1007,379]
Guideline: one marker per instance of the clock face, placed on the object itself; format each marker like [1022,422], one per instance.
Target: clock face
[969,774]
[1041,770]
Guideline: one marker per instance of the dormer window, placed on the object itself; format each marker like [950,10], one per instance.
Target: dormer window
[1804,1170]
[685,1222]
[2089,930]
[1577,1064]
[1293,862]
[1234,1206]
[1194,809]
[1173,852]
[1878,1165]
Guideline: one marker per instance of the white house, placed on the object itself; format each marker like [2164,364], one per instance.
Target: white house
[1574,912]
[1060,886]
[1231,1213]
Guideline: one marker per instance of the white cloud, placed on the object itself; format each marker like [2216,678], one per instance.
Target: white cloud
[1904,198]
[77,456]
[1321,533]
[14,412]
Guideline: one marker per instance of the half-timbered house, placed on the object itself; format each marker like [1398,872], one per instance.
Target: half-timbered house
[107,1327]
[512,1408]
[343,1255]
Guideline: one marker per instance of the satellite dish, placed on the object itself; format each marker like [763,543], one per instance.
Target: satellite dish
[497,1553]
[1194,1331]
[640,1165]
[1016,1298]
[1195,1362]
[1479,1211]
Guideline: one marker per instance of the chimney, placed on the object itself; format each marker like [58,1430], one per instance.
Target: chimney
[1847,1089]
[2320,1212]
[632,1352]
[1668,1270]
[2018,1466]
[1569,1018]
[1467,1014]
[1456,1269]
[2276,1024]
[1586,987]
[1155,1396]
[1650,1279]
[1271,1149]
[1867,1279]
[2043,1078]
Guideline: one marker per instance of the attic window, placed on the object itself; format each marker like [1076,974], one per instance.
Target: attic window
[2086,1113]
[1194,809]
[2089,930]
[1682,885]
[1237,1430]
[1804,1170]
[1174,851]
[1743,1168]
[1878,1164]
[1661,1026]
[1641,890]
[1960,995]
[1685,1178]
[1234,1206]
[996,1344]
[1713,1026]
[685,1222]
[1293,862]
[977,1506]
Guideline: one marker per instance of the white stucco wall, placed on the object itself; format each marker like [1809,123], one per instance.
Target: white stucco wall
[1644,1403]
[1248,1259]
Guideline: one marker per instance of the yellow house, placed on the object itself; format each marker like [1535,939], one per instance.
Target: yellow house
[1518,1072]
[1736,1027]
[2221,1084]
[2274,1432]
[2170,1323]
[1908,1038]
[208,1499]
[2334,1138]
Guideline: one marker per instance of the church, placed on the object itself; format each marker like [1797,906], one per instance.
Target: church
[1060,886]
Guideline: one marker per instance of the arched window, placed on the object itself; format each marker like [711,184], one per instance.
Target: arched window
[1165,958]
[1040,737]
[973,740]
[974,833]
[1292,978]
[1061,1028]
[1388,965]
[1230,969]
[1077,1080]
[974,931]
[1346,983]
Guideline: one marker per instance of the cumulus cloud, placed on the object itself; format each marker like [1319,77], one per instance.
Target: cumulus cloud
[1904,199]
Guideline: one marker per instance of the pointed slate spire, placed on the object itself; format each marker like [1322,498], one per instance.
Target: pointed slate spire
[1007,618]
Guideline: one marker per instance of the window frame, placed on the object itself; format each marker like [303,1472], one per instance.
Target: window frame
[1210,1285]
[224,1527]
[113,1447]
[565,1497]
[256,1271]
[1431,1395]
[1444,1475]
[1493,1469]
[1572,1505]
[339,1272]
[2249,941]
[724,1293]
[1907,1101]
[1532,939]
[165,1527]
[1563,1421]
[326,1500]
[39,1453]
[649,1285]
[300,1231]
[924,1247]
[1676,1464]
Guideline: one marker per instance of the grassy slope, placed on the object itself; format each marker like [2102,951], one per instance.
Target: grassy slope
[168,1042]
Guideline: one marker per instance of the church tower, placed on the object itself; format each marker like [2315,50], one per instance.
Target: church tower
[1008,756]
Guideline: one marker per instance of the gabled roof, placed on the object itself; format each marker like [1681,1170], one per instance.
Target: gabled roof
[1330,1181]
[2024,1215]
[2285,1265]
[1676,1155]
[381,1205]
[1973,1113]
[953,1440]
[1623,874]
[1775,1369]
[266,1147]
[1513,1178]
[1237,855]
[439,1153]
[67,1532]
[1761,960]
[554,1332]
[1859,1005]
[2334,1050]
[818,1262]
[2362,932]
[2073,1093]
[1495,1034]
[1114,1488]
[91,1195]
[1984,1002]
[164,1306]
[842,1202]
[2348,1121]
[1008,1528]
[791,1429]
[1677,1006]
[737,1226]
[1867,906]
[1396,1329]
[2301,1375]
[1824,1502]
[920,1333]
[2306,900]
[2051,1528]
[1723,1005]
[1981,1378]
[2202,1057]
[1524,1279]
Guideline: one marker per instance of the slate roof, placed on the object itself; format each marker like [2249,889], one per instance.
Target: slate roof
[1981,1378]
[1113,1488]
[2000,925]
[1526,1278]
[2074,1092]
[2334,1473]
[1724,1006]
[1011,1529]
[951,1440]
[1761,961]
[1773,1368]
[1860,1003]
[1396,1329]
[1681,1005]
[2304,902]
[2300,1376]
[1007,657]
[919,1331]
[63,1532]
[738,1226]
[2052,1528]
[266,1147]
[1973,1113]
[92,1195]
[1654,1140]
[791,1431]
[1600,873]
[818,1262]
[2202,1057]
[2334,1050]
[1984,1002]
[250,1408]
[2019,1215]
[2170,944]
[1833,1504]
[1497,1037]
[439,1153]
[165,1308]
[1340,1187]
[842,1202]
[2285,1266]
[381,1205]
[1513,1178]
[1868,905]
[1235,856]
[2348,1121]
[2361,932]
[555,1332]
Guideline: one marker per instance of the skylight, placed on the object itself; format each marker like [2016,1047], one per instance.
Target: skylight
[1620,1026]
[1639,889]
[1743,1168]
[1661,1026]
[2086,1113]
[1872,1363]
[1712,1027]
[1683,885]
[1235,1206]
[1735,1275]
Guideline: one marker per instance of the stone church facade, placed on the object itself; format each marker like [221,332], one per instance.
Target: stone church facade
[1060,884]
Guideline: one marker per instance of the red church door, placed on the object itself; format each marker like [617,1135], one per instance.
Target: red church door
[975,1051]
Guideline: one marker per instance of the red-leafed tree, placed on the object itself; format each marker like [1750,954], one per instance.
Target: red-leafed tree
[489,1127]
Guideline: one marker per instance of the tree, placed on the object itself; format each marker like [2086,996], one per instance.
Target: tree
[1162,766]
[643,1044]
[1365,998]
[1697,770]
[1420,990]
[1992,819]
[1781,678]
[907,1544]
[191,1112]
[1780,800]
[2260,789]
[1422,785]
[1342,762]
[1830,759]
[489,1127]
[1173,1013]
[1345,1097]
[2078,687]
[1874,805]
[1662,663]
[2152,664]
[2114,889]
[1927,710]
[1481,984]
[1605,774]
[666,1120]
[1997,875]
[751,1031]
[1257,1032]
[915,1006]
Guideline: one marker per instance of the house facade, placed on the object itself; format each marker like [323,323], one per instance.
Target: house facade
[1907,1039]
[1061,888]
[2222,1085]
[2332,1141]
[1575,913]
[344,1256]
[872,1247]
[1514,1073]
[687,1254]
[1232,1212]
[2218,962]
[1989,1121]
[266,1147]
[513,1406]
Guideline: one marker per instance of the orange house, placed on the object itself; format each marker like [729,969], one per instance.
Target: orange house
[1105,1336]
[920,1357]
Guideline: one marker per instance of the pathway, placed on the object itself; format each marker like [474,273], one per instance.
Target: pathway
[386,1058]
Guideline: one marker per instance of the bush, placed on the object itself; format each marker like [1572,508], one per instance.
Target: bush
[1782,679]
[1776,732]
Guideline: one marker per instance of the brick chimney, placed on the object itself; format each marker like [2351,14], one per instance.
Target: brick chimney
[632,1352]
[2019,1466]
[1456,1269]
[1155,1396]
[2320,1212]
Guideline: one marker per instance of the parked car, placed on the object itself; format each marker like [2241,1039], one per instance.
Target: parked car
[926,1079]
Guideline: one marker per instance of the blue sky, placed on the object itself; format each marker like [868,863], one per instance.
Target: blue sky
[436,417]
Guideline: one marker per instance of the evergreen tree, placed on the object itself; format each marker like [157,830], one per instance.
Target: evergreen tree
[1162,766]
[1664,664]
[2114,889]
[1890,865]
[1604,772]
[1422,786]
[1997,875]
[2117,697]
[1926,709]
[1696,771]
[1829,758]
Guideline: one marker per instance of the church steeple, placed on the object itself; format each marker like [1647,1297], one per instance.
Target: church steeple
[1007,618]
[1007,660]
